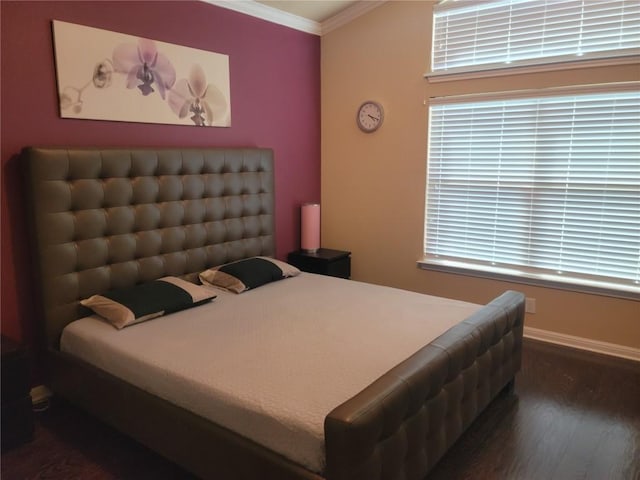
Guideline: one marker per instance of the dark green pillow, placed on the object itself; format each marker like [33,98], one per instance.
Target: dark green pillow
[127,306]
[247,274]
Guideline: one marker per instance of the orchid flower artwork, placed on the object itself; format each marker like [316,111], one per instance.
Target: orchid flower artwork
[204,102]
[144,67]
[120,77]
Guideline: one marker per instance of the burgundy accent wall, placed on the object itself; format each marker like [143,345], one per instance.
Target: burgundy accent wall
[275,102]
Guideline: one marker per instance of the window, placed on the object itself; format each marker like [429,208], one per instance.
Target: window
[545,188]
[471,36]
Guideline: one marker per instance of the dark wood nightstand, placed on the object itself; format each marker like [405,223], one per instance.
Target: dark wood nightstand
[17,413]
[335,263]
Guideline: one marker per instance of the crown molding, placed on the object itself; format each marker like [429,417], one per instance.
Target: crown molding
[273,15]
[270,14]
[349,14]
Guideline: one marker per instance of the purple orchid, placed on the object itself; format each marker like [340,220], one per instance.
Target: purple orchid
[194,96]
[144,67]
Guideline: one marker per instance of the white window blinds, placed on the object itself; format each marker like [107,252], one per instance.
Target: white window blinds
[475,35]
[547,187]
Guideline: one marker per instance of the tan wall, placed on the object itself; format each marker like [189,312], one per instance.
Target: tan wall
[373,184]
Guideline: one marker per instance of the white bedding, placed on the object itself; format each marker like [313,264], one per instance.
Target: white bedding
[271,363]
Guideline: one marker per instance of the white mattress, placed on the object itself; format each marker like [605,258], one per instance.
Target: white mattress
[271,363]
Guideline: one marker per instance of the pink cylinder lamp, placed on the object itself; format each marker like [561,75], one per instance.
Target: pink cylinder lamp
[310,227]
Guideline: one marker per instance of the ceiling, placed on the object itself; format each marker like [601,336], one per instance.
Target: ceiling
[315,10]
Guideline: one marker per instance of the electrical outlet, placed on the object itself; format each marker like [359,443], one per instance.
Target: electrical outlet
[530,305]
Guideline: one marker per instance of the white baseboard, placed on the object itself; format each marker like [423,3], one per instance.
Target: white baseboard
[605,348]
[40,394]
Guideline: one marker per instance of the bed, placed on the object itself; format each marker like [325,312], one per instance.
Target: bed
[114,218]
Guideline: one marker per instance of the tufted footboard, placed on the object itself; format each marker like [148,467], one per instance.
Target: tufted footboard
[403,423]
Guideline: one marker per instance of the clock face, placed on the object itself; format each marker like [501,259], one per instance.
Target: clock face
[370,116]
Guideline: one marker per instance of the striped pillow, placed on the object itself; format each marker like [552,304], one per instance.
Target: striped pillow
[127,306]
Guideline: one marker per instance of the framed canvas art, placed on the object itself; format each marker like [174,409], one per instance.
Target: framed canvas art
[121,77]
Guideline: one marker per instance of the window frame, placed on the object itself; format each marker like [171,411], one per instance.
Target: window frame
[603,58]
[527,275]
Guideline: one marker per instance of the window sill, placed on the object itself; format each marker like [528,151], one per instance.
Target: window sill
[593,288]
[485,72]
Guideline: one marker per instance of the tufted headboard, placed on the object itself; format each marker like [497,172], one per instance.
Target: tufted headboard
[111,218]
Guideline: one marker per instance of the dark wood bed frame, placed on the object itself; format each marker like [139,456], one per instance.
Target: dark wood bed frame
[106,218]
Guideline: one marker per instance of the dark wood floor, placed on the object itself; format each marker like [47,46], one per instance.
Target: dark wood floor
[573,416]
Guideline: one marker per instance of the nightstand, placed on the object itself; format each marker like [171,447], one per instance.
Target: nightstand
[335,263]
[17,414]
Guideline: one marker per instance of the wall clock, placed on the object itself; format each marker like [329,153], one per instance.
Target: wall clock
[370,116]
